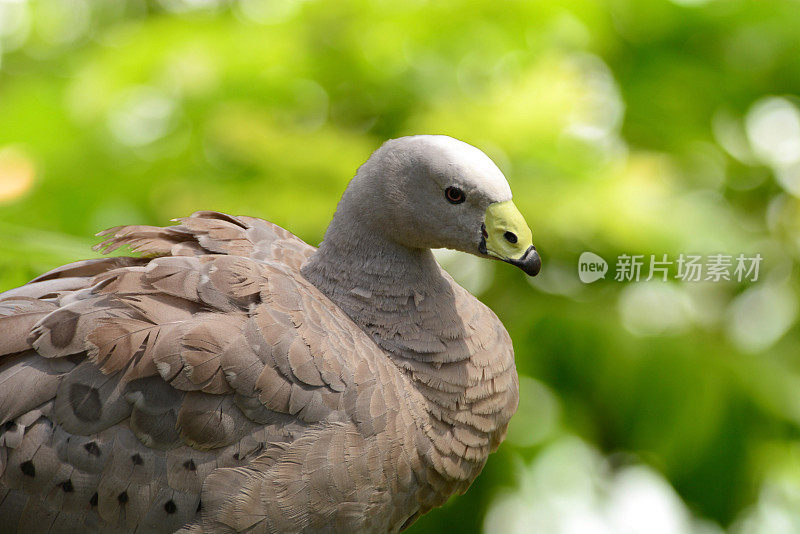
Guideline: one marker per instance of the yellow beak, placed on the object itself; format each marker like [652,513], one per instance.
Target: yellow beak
[507,237]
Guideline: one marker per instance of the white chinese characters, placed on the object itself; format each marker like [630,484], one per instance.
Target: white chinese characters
[685,268]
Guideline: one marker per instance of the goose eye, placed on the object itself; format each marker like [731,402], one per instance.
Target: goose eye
[454,195]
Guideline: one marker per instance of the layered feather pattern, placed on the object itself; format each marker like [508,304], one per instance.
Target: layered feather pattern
[209,386]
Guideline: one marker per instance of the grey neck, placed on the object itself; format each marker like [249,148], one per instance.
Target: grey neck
[375,280]
[356,266]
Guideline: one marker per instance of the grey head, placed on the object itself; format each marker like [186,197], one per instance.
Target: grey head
[433,191]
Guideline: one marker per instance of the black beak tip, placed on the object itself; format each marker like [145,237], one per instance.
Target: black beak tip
[530,262]
[533,262]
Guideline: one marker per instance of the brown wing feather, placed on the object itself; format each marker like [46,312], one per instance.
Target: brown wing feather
[209,232]
[128,369]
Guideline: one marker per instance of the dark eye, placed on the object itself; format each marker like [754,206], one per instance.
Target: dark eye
[454,195]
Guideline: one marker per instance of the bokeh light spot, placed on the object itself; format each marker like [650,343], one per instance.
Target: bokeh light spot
[15,22]
[144,115]
[17,173]
[649,309]
[761,315]
[541,409]
[773,128]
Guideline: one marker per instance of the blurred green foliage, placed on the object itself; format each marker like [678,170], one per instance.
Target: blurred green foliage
[647,127]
